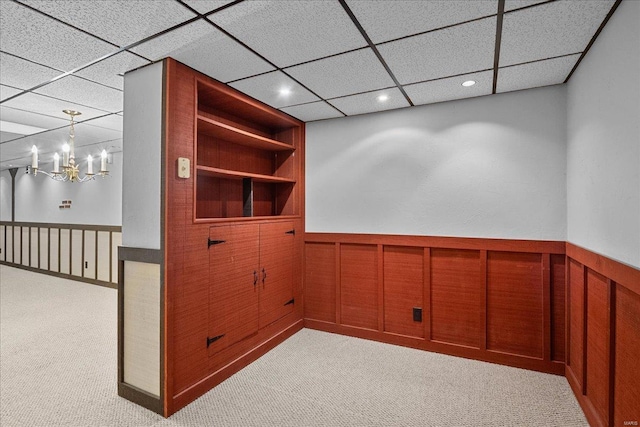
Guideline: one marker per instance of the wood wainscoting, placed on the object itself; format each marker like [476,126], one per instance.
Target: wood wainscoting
[603,337]
[494,300]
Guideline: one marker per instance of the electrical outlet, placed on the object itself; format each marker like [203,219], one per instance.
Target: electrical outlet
[417,314]
[184,167]
[86,264]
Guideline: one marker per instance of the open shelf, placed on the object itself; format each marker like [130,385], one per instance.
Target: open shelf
[229,174]
[229,133]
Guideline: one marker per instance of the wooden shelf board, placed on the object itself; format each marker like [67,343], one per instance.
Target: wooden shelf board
[229,174]
[238,136]
[270,218]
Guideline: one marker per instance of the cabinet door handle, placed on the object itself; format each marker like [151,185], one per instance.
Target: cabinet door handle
[264,275]
[255,277]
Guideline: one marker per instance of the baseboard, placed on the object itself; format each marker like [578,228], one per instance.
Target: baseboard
[62,275]
[140,397]
[517,361]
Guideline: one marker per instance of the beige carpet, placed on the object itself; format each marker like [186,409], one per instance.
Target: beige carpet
[58,368]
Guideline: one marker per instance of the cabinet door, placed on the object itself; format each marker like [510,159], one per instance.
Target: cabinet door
[233,291]
[276,271]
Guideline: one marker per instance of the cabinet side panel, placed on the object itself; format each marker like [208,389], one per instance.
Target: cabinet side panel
[142,134]
[142,326]
[359,285]
[456,296]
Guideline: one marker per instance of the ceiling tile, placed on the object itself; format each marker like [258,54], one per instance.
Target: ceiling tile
[456,50]
[112,121]
[84,92]
[5,137]
[107,71]
[517,4]
[28,34]
[7,91]
[267,88]
[551,29]
[202,47]
[23,74]
[48,106]
[450,88]
[369,102]
[391,19]
[206,6]
[345,74]
[118,22]
[312,111]
[291,32]
[535,74]
[32,119]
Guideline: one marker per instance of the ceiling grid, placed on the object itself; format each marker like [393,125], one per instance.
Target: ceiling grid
[313,59]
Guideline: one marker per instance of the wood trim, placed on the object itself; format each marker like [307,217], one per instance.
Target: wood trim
[151,256]
[546,307]
[92,227]
[380,286]
[338,285]
[612,348]
[623,274]
[507,245]
[427,318]
[141,397]
[585,313]
[485,295]
[62,275]
[551,367]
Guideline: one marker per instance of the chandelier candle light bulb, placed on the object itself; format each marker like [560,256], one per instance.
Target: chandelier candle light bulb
[34,157]
[103,161]
[65,155]
[56,163]
[89,165]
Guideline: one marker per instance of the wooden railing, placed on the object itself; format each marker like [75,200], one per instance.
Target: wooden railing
[81,252]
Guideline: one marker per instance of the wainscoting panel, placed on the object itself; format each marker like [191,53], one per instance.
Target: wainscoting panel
[456,297]
[76,251]
[3,251]
[359,286]
[320,281]
[515,303]
[43,252]
[485,299]
[403,282]
[54,249]
[603,318]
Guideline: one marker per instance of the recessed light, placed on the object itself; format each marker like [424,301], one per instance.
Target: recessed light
[469,83]
[285,91]
[383,98]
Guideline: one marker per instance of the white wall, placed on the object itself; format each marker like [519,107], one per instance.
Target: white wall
[483,167]
[5,196]
[38,197]
[603,160]
[141,217]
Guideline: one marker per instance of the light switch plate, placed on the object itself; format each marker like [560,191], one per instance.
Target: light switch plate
[184,167]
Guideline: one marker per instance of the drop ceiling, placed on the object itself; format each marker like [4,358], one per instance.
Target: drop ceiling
[335,58]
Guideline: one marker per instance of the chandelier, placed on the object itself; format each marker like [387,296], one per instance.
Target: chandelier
[70,171]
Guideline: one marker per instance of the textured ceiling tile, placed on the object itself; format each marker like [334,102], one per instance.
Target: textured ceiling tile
[267,88]
[451,88]
[47,106]
[107,72]
[456,50]
[391,19]
[370,102]
[206,6]
[32,119]
[549,30]
[313,111]
[30,35]
[517,4]
[535,74]
[345,74]
[84,92]
[291,32]
[23,74]
[118,22]
[204,48]
[7,91]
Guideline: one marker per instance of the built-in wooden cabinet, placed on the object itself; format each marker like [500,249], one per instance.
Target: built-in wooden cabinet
[225,223]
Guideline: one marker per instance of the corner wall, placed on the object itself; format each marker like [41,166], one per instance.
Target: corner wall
[483,167]
[603,151]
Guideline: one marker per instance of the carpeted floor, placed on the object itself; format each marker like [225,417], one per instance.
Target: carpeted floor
[58,368]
